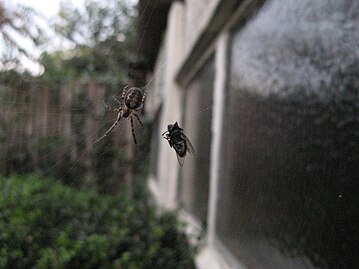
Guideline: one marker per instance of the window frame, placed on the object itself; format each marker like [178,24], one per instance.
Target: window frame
[208,63]
[214,254]
[211,39]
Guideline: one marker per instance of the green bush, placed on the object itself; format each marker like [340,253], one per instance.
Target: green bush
[44,224]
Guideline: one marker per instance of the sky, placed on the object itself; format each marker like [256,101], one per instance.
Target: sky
[49,8]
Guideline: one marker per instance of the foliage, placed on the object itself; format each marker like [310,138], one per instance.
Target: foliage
[17,24]
[101,37]
[99,21]
[44,224]
[11,79]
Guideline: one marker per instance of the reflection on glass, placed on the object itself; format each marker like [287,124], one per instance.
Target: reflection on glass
[288,195]
[154,149]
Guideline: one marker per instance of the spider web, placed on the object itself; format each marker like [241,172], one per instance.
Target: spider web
[51,131]
[30,120]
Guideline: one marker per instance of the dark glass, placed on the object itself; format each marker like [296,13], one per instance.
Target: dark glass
[289,179]
[155,139]
[194,180]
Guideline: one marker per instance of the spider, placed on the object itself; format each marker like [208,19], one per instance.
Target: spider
[131,100]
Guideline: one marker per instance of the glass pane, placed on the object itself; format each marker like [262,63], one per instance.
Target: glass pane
[154,148]
[288,195]
[194,183]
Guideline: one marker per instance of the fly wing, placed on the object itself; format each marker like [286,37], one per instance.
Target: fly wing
[180,160]
[190,147]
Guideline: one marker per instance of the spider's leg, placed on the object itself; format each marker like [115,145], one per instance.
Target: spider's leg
[113,109]
[119,115]
[119,103]
[133,130]
[143,99]
[124,92]
[122,96]
[144,95]
[138,118]
[106,106]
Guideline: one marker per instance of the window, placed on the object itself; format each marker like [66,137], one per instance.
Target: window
[194,182]
[154,146]
[289,147]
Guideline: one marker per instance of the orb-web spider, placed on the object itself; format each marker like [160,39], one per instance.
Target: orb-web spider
[131,100]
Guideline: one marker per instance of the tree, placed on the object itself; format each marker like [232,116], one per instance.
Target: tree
[101,36]
[16,24]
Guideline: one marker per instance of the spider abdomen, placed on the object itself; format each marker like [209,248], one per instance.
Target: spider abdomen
[133,98]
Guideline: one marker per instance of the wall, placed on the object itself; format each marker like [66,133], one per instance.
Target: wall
[166,184]
[284,145]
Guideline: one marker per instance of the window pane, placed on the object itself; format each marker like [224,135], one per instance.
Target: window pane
[154,147]
[288,195]
[194,183]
